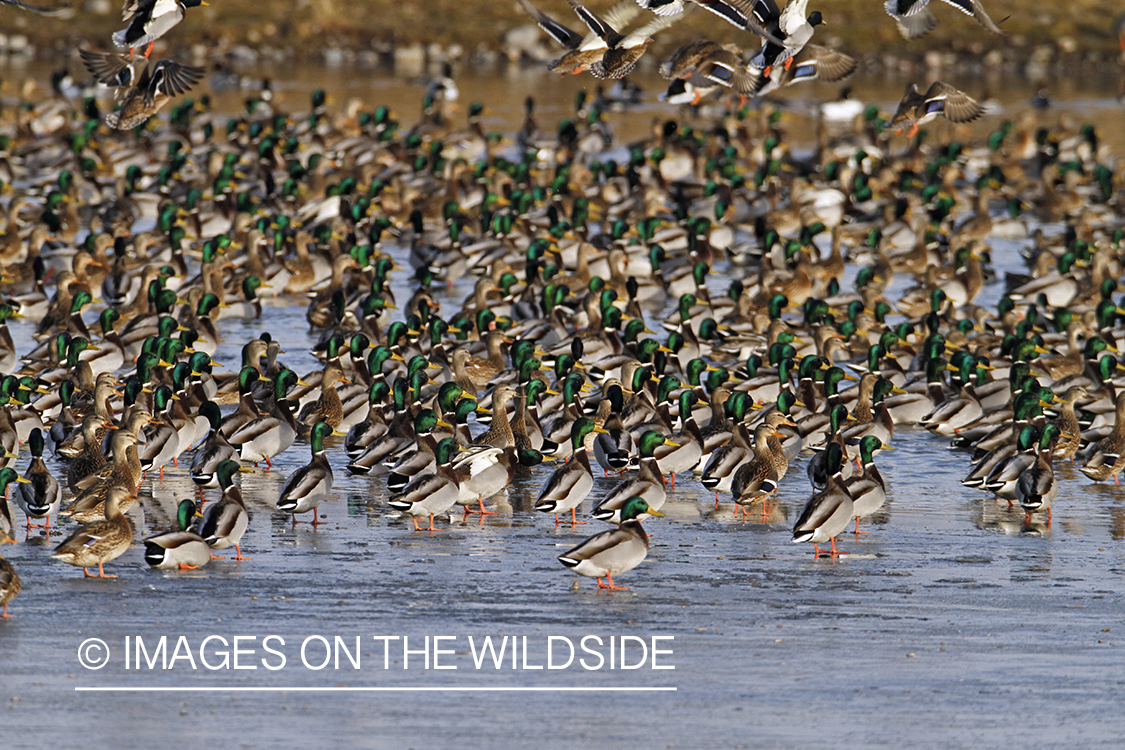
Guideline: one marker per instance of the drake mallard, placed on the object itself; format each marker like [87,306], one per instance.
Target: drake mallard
[1036,488]
[41,495]
[180,548]
[100,541]
[267,436]
[828,512]
[914,19]
[432,493]
[569,484]
[867,490]
[1106,457]
[718,473]
[307,487]
[149,20]
[224,523]
[793,30]
[613,551]
[648,484]
[213,451]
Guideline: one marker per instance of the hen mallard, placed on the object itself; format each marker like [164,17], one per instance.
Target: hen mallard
[181,548]
[756,479]
[613,551]
[940,99]
[9,579]
[89,504]
[328,407]
[101,541]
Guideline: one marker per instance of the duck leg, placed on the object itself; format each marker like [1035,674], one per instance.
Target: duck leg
[610,586]
[857,531]
[185,566]
[238,553]
[574,518]
[102,573]
[148,50]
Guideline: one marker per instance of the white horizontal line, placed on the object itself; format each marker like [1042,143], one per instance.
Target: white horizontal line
[443,689]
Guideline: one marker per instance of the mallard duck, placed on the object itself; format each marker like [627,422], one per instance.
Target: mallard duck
[374,426]
[154,87]
[685,448]
[914,19]
[648,484]
[569,484]
[9,579]
[328,407]
[613,450]
[224,523]
[615,550]
[1070,431]
[940,99]
[1036,488]
[149,20]
[89,504]
[828,512]
[181,548]
[41,495]
[1001,481]
[583,51]
[100,541]
[431,494]
[161,438]
[756,479]
[622,51]
[867,490]
[499,433]
[212,452]
[307,487]
[794,31]
[816,63]
[718,473]
[267,436]
[1106,457]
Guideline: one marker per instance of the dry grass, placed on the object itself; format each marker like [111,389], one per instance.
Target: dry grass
[309,25]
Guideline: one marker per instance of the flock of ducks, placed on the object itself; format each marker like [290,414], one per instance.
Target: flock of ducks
[577,257]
